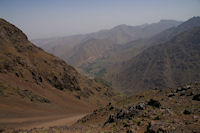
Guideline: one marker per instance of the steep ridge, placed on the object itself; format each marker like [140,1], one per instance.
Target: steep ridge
[34,82]
[172,32]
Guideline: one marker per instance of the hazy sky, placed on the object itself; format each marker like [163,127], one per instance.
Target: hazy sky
[49,18]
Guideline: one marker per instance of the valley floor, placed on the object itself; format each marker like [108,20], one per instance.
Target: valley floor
[40,121]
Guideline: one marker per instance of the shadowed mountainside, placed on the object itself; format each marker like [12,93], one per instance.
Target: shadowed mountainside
[165,65]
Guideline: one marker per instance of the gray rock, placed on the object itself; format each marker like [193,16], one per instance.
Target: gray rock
[141,106]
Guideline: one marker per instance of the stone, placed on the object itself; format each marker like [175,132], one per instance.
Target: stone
[196,97]
[186,112]
[140,106]
[154,103]
[171,95]
[111,108]
[111,119]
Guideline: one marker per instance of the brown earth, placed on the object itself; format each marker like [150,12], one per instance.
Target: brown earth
[39,89]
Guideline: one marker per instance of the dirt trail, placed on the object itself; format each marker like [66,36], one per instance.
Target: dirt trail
[39,122]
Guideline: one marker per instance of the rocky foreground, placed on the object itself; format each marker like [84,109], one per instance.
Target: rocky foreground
[156,111]
[175,110]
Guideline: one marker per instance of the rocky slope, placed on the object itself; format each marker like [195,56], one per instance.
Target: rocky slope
[33,81]
[172,110]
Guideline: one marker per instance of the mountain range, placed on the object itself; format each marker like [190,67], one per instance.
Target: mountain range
[165,65]
[118,66]
[66,47]
[38,89]
[141,62]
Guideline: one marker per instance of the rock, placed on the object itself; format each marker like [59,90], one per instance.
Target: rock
[183,88]
[190,94]
[111,108]
[187,87]
[17,74]
[140,106]
[178,89]
[129,131]
[171,94]
[120,114]
[110,119]
[155,128]
[186,112]
[182,94]
[126,113]
[126,125]
[40,78]
[98,89]
[141,96]
[109,104]
[157,118]
[77,96]
[196,97]
[154,103]
[131,108]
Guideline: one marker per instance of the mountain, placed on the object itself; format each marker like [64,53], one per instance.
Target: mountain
[63,46]
[165,65]
[122,34]
[90,50]
[35,83]
[171,32]
[60,45]
[114,64]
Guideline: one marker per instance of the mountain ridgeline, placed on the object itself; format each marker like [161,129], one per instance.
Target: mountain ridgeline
[66,47]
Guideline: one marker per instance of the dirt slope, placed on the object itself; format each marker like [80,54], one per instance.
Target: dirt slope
[35,83]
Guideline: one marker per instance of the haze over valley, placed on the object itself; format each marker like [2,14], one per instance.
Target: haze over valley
[106,66]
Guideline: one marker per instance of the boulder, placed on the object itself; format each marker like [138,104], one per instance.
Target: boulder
[111,119]
[186,112]
[141,106]
[171,95]
[155,128]
[154,103]
[196,97]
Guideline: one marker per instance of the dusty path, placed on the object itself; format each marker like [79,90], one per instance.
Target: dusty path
[39,122]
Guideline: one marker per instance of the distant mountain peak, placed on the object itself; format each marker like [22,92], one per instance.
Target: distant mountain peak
[193,19]
[192,22]
[167,20]
[196,17]
[121,26]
